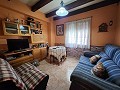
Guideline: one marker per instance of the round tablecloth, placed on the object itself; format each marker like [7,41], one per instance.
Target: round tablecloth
[58,52]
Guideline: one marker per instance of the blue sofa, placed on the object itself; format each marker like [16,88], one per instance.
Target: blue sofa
[82,79]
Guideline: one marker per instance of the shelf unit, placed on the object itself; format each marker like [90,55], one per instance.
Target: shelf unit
[35,27]
[34,30]
[19,57]
[22,60]
[11,28]
[18,52]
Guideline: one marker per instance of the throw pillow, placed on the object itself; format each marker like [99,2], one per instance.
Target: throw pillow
[99,71]
[94,59]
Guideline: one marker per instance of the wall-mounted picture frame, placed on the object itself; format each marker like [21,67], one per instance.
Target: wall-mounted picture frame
[60,30]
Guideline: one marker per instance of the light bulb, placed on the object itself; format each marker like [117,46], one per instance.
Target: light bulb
[61,11]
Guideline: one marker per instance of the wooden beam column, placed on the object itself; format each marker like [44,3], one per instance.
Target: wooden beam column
[40,4]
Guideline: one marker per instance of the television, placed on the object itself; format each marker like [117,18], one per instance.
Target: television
[17,44]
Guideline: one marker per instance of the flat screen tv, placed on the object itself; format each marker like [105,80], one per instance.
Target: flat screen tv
[17,44]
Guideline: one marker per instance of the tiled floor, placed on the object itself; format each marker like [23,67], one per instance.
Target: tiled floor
[59,76]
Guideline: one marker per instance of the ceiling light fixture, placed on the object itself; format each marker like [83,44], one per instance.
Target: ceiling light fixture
[61,11]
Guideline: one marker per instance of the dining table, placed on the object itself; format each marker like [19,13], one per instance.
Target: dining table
[57,53]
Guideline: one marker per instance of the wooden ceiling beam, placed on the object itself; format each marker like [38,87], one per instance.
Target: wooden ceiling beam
[69,6]
[40,4]
[91,7]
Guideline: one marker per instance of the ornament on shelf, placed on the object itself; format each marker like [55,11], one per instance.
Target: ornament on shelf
[7,19]
[16,20]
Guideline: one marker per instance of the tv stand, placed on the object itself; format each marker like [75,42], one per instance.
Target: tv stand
[21,50]
[19,57]
[18,51]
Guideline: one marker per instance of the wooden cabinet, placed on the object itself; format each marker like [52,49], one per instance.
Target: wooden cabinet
[11,28]
[37,53]
[40,53]
[44,52]
[24,30]
[36,31]
[37,38]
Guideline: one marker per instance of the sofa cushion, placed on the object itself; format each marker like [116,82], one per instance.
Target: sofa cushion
[113,71]
[110,50]
[116,58]
[94,59]
[84,67]
[99,71]
[85,60]
[102,60]
[104,55]
[90,53]
[81,68]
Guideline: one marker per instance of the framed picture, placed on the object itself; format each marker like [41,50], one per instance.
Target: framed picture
[60,30]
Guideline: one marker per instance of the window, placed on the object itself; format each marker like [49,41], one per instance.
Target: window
[78,33]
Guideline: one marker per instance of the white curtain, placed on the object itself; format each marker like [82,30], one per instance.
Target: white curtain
[70,37]
[78,34]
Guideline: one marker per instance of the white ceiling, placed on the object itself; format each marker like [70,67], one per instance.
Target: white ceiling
[29,2]
[55,4]
[85,5]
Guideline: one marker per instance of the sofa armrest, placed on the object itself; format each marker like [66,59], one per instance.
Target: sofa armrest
[43,84]
[92,81]
[28,73]
[8,85]
[90,53]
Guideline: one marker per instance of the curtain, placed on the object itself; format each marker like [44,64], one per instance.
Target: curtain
[70,37]
[78,34]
